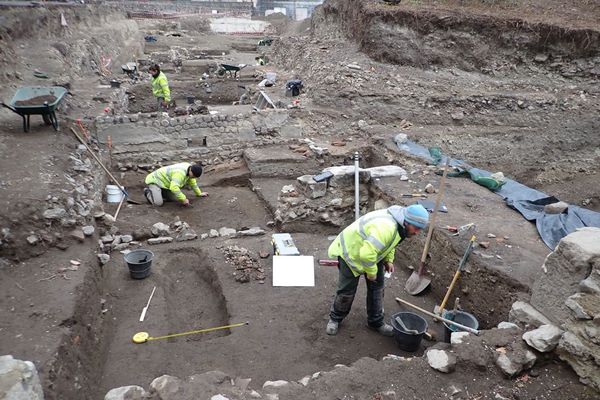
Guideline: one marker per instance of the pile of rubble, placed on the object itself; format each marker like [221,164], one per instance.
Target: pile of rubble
[247,265]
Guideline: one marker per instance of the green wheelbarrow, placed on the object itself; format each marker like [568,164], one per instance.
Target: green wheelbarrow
[37,100]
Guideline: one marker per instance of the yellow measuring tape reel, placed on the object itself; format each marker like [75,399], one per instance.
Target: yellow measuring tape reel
[143,337]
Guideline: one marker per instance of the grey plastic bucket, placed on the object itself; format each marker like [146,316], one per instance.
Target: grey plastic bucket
[460,317]
[139,263]
[409,341]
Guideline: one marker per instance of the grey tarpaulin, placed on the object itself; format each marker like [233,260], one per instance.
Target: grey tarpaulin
[529,202]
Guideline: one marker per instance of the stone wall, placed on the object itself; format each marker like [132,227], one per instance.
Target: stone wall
[567,295]
[147,137]
[330,202]
[184,6]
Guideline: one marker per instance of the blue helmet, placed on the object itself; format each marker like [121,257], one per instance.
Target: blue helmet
[416,215]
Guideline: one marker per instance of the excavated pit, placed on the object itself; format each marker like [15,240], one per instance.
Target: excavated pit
[197,288]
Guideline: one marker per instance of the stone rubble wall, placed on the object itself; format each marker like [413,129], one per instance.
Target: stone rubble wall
[330,202]
[567,297]
[147,137]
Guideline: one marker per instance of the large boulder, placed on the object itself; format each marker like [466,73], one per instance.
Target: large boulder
[571,263]
[19,380]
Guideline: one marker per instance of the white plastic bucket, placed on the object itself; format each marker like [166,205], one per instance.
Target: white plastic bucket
[113,194]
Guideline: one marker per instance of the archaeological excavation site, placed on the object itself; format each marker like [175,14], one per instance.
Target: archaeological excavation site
[339,199]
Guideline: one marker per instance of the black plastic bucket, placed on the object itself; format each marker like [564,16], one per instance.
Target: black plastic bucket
[460,317]
[139,263]
[191,99]
[409,341]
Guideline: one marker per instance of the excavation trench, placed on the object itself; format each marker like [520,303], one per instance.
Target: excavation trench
[197,288]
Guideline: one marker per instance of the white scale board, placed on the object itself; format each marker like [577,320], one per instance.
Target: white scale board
[293,271]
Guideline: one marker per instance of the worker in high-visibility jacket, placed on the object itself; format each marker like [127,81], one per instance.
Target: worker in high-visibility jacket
[367,247]
[166,183]
[160,87]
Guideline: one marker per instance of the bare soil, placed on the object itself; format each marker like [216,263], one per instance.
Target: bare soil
[428,69]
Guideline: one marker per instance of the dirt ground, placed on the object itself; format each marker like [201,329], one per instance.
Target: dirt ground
[496,107]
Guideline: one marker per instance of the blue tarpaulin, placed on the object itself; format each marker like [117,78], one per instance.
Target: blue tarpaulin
[529,202]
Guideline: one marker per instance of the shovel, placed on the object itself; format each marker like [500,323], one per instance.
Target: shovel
[417,282]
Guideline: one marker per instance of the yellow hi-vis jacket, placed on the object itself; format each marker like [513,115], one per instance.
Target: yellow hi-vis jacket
[173,178]
[367,241]
[160,87]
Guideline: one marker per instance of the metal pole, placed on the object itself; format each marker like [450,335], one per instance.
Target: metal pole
[356,187]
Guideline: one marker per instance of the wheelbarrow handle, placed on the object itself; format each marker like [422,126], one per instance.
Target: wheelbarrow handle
[10,108]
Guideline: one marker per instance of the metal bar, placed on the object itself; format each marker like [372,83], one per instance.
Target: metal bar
[356,187]
[463,327]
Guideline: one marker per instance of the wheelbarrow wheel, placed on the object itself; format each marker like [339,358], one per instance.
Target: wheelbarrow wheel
[47,119]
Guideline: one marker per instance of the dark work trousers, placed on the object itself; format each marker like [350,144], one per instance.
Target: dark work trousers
[347,285]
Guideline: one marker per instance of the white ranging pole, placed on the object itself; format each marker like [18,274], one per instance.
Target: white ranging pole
[356,188]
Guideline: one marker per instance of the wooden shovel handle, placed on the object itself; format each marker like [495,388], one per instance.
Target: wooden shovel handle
[433,215]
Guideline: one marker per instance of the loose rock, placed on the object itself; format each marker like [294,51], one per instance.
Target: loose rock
[556,208]
[55,213]
[160,229]
[543,339]
[88,230]
[254,231]
[224,231]
[458,337]
[161,239]
[78,235]
[513,362]
[33,239]
[275,384]
[186,234]
[166,386]
[126,238]
[507,325]
[441,360]
[126,393]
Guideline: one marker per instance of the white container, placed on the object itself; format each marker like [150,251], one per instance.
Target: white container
[113,194]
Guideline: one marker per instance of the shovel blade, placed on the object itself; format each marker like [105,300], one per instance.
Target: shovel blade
[416,283]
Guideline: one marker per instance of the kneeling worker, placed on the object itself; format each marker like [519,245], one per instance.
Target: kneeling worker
[367,247]
[166,183]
